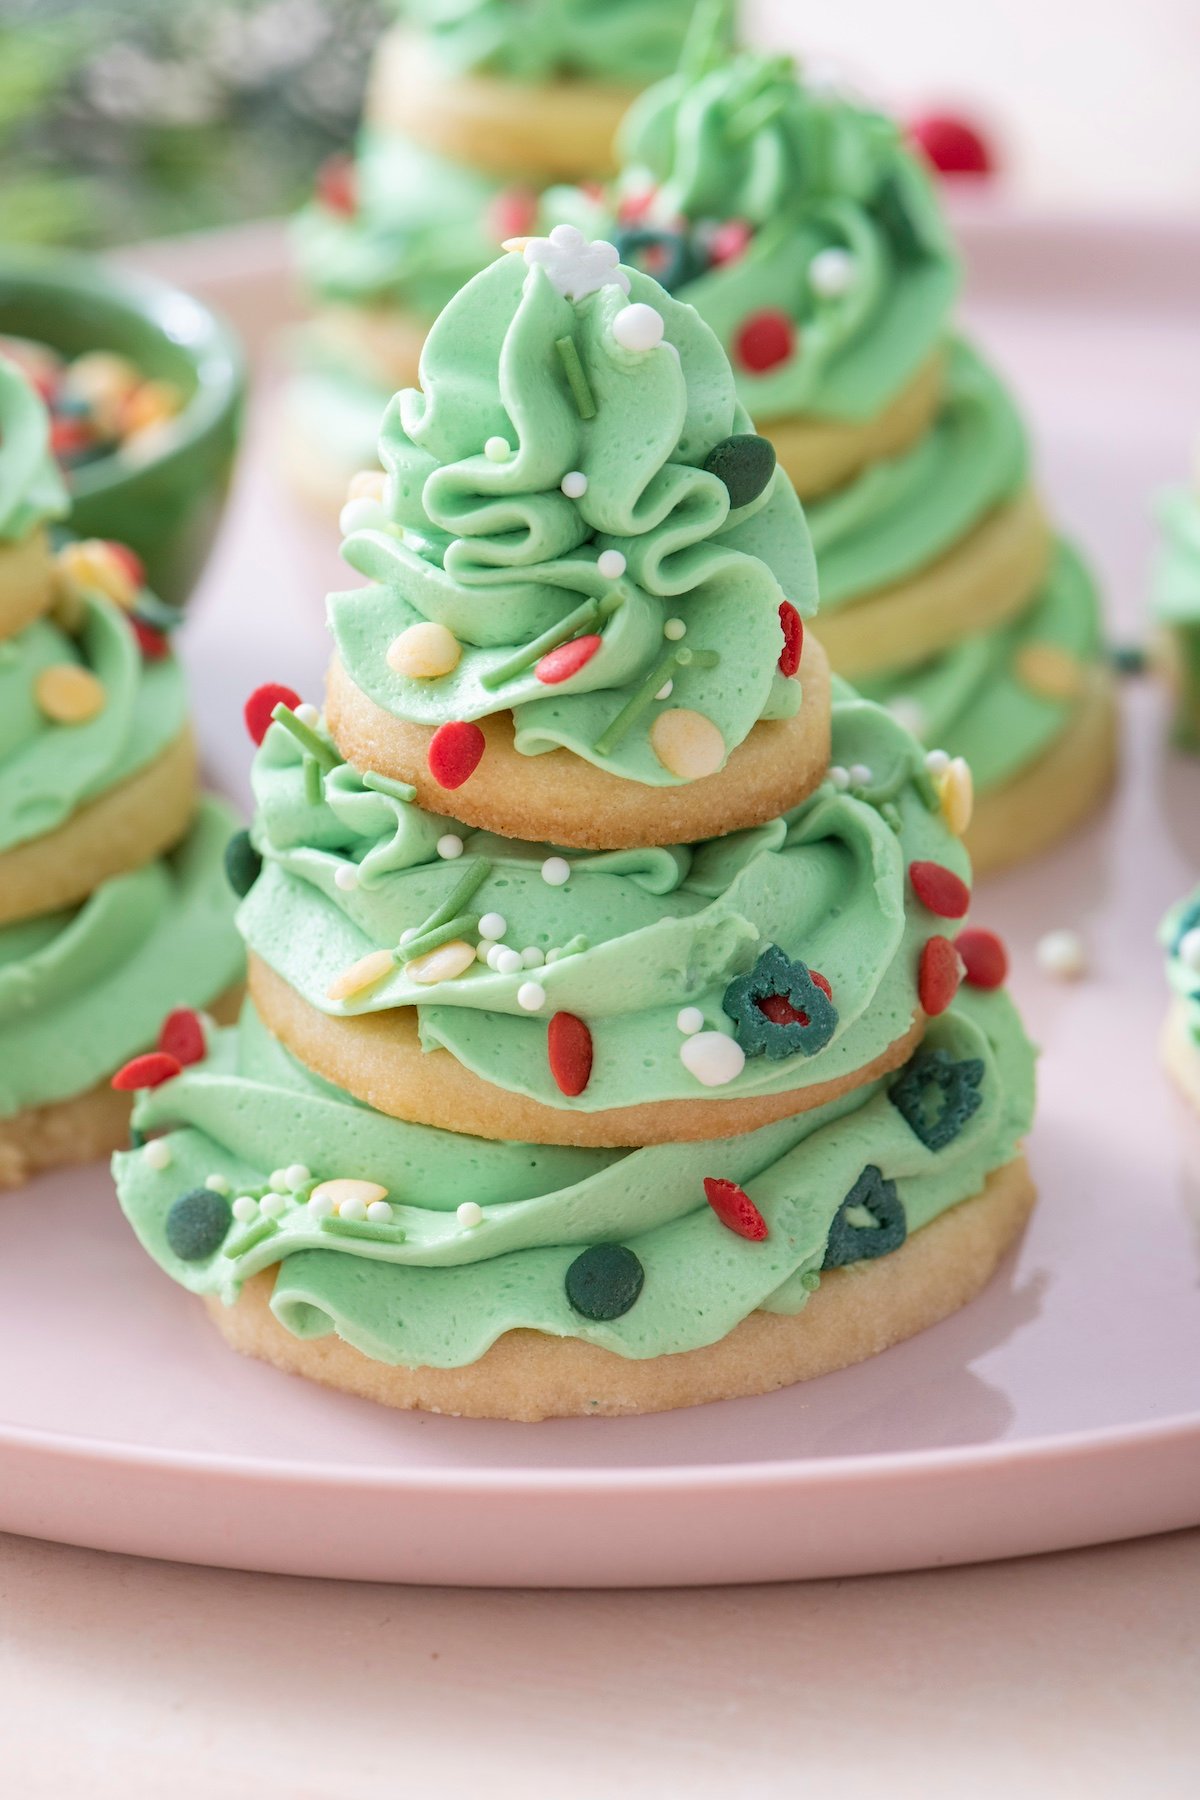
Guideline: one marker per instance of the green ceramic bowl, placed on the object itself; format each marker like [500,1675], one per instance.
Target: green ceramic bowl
[167,507]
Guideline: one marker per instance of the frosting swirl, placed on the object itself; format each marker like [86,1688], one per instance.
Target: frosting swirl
[1182,974]
[424,1289]
[84,989]
[613,40]
[32,490]
[524,388]
[1176,590]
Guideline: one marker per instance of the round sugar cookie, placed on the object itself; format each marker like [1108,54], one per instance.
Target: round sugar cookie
[856,1312]
[1180,1053]
[982,580]
[1055,793]
[26,582]
[558,798]
[821,454]
[553,131]
[378,1058]
[86,1128]
[120,829]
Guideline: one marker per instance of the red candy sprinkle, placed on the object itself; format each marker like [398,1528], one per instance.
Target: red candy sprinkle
[154,645]
[182,1036]
[779,1009]
[730,240]
[454,753]
[149,1071]
[559,665]
[764,340]
[68,437]
[337,185]
[635,206]
[569,1045]
[735,1209]
[512,213]
[822,983]
[953,146]
[129,560]
[792,626]
[939,975]
[262,703]
[985,960]
[939,889]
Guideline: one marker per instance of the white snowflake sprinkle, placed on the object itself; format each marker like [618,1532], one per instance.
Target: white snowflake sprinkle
[575,265]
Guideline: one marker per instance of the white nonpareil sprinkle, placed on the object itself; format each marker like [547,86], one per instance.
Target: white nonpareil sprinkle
[531,996]
[532,957]
[690,1020]
[1189,953]
[307,713]
[493,925]
[296,1174]
[361,514]
[507,961]
[379,1212]
[937,762]
[469,1214]
[552,956]
[556,871]
[714,1059]
[1062,954]
[674,629]
[449,846]
[483,949]
[638,327]
[278,1181]
[831,272]
[406,937]
[574,484]
[217,1183]
[497,449]
[353,1208]
[611,564]
[665,691]
[345,876]
[839,777]
[321,1206]
[860,774]
[273,1206]
[245,1208]
[493,951]
[157,1153]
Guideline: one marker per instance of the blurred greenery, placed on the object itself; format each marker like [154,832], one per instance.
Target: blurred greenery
[123,119]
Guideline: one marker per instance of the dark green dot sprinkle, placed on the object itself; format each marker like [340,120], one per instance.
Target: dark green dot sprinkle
[136,1138]
[243,864]
[198,1224]
[1130,659]
[604,1281]
[745,464]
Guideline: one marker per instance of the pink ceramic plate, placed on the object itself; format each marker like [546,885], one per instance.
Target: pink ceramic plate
[1061,1408]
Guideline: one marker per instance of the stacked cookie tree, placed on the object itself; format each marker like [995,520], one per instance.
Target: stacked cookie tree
[471,111]
[607,1050]
[1176,604]
[113,904]
[809,236]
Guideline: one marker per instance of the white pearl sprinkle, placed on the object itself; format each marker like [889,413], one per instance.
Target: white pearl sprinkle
[379,1212]
[217,1183]
[321,1206]
[272,1206]
[507,961]
[531,996]
[1189,953]
[296,1174]
[483,949]
[665,691]
[469,1214]
[307,713]
[690,1020]
[574,484]
[449,846]
[406,937]
[157,1153]
[839,777]
[638,327]
[497,449]
[1062,954]
[278,1181]
[245,1208]
[493,951]
[345,876]
[714,1059]
[532,957]
[552,956]
[361,514]
[831,272]
[611,564]
[493,925]
[861,774]
[556,871]
[937,762]
[354,1209]
[674,629]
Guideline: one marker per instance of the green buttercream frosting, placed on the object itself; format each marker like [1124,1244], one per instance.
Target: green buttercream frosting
[425,1289]
[902,513]
[638,934]
[32,491]
[971,701]
[629,42]
[805,171]
[1176,592]
[1184,978]
[498,553]
[84,989]
[48,770]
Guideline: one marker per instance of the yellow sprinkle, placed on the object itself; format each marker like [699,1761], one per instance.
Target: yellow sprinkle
[360,976]
[90,565]
[442,964]
[342,1189]
[424,651]
[69,694]
[956,793]
[1050,671]
[517,245]
[687,743]
[150,404]
[104,382]
[368,484]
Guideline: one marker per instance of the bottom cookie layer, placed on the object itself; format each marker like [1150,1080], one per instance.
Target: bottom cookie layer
[527,1376]
[1181,1053]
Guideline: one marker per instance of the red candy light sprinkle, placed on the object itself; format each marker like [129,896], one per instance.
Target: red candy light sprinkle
[635,206]
[953,146]
[559,665]
[337,185]
[985,959]
[764,340]
[779,1009]
[262,703]
[455,751]
[735,1209]
[938,976]
[730,240]
[940,889]
[512,213]
[569,1046]
[153,644]
[792,626]
[182,1036]
[129,560]
[149,1071]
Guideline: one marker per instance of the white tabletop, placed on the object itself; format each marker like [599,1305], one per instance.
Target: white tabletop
[1062,1675]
